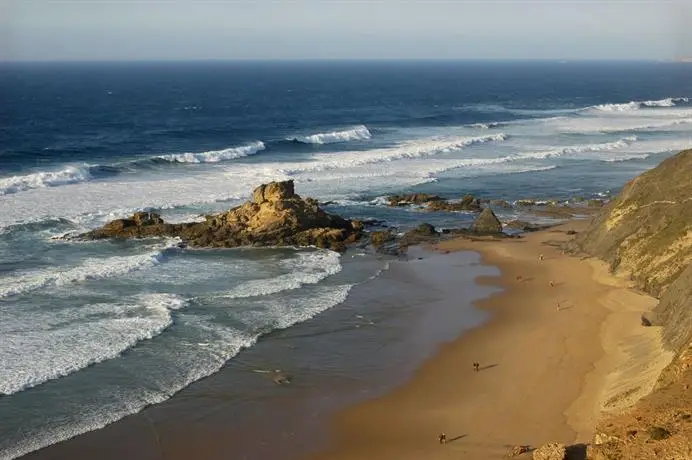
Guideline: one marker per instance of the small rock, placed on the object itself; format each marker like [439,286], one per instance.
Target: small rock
[552,451]
[658,433]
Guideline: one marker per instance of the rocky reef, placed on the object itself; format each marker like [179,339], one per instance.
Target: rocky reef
[276,216]
[435,203]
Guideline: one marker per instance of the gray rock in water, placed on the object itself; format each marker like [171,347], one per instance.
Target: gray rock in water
[487,222]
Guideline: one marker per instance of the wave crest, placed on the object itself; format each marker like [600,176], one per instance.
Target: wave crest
[90,269]
[359,133]
[68,175]
[215,156]
[79,337]
[636,105]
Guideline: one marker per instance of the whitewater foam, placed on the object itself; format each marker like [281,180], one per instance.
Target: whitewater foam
[216,345]
[405,150]
[67,175]
[215,156]
[63,343]
[307,268]
[89,269]
[358,133]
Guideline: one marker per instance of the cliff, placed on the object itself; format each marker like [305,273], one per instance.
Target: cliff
[646,234]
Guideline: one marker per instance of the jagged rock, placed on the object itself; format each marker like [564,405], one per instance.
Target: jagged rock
[276,216]
[552,451]
[487,222]
[412,198]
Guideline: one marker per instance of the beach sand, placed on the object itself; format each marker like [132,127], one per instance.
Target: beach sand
[552,358]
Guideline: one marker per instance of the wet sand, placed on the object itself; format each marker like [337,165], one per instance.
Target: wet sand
[552,358]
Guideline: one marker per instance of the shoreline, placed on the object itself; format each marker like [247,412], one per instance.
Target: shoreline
[543,376]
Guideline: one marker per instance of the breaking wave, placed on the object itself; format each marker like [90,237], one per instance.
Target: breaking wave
[66,341]
[89,269]
[636,105]
[68,175]
[215,156]
[358,133]
[405,150]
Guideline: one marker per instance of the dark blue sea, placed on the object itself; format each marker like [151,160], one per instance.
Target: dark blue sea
[92,332]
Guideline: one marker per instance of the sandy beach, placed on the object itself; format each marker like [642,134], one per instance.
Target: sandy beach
[552,359]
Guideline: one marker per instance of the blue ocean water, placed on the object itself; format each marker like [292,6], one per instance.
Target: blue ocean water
[95,331]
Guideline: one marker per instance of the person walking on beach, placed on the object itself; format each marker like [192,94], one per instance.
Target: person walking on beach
[442,438]
[476,366]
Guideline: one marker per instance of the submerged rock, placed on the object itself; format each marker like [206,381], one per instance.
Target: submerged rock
[276,216]
[487,222]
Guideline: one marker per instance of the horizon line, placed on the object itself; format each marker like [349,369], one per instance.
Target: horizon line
[354,59]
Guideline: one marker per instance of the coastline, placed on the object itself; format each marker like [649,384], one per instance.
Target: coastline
[547,375]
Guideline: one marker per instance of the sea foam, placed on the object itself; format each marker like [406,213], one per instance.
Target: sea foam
[64,342]
[89,269]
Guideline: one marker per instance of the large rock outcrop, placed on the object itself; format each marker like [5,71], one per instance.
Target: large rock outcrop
[276,216]
[487,222]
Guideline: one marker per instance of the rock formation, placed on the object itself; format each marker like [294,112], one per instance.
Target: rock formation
[435,203]
[487,222]
[276,216]
[467,203]
[411,198]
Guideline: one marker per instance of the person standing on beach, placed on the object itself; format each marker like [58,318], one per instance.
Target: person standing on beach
[476,366]
[442,438]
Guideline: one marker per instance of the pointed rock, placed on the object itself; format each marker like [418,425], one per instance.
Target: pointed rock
[487,222]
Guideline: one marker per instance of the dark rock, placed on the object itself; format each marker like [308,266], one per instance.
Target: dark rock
[487,222]
[380,237]
[412,198]
[276,216]
[468,203]
[595,203]
[421,234]
[658,433]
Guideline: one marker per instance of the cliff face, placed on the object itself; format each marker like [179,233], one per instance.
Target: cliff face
[646,233]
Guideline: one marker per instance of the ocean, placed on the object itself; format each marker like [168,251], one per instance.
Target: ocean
[91,332]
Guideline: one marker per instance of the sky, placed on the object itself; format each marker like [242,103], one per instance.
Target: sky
[353,29]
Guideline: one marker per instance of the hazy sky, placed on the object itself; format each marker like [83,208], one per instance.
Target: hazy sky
[266,29]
